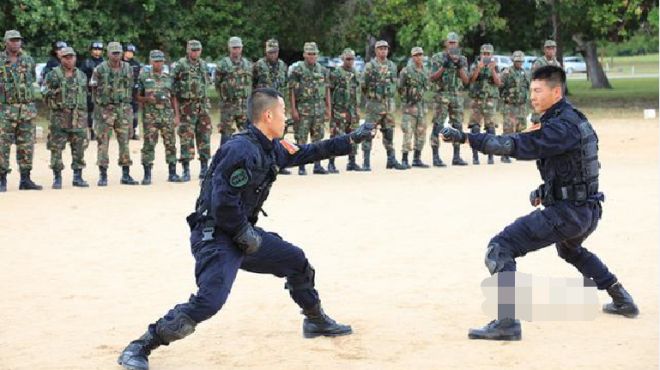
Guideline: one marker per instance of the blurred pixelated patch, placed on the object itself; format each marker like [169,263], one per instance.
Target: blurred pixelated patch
[539,298]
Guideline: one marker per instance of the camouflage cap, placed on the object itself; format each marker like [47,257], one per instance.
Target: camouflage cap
[518,56]
[550,44]
[382,44]
[12,34]
[235,42]
[452,36]
[156,56]
[310,47]
[416,50]
[194,45]
[487,48]
[272,45]
[114,47]
[348,53]
[67,51]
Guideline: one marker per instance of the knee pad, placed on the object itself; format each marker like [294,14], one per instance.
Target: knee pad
[497,257]
[179,327]
[301,281]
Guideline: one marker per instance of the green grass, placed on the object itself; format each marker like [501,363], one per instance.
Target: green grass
[640,63]
[627,98]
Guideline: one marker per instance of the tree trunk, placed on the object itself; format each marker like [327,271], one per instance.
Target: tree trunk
[556,21]
[589,51]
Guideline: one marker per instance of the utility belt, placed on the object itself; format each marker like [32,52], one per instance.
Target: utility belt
[209,226]
[548,194]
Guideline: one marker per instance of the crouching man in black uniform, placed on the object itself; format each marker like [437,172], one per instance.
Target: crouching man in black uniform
[224,237]
[565,147]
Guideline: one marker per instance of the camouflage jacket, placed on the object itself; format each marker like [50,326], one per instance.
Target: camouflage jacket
[63,92]
[233,80]
[265,74]
[343,88]
[157,85]
[413,83]
[450,80]
[308,83]
[542,61]
[16,79]
[515,86]
[112,86]
[484,86]
[379,80]
[191,80]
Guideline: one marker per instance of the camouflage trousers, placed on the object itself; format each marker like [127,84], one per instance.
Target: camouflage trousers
[152,125]
[233,116]
[106,119]
[195,128]
[446,105]
[483,109]
[514,118]
[17,126]
[412,124]
[379,112]
[343,122]
[67,126]
[310,125]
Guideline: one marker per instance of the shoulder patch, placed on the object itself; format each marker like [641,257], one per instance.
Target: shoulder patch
[239,178]
[534,127]
[290,147]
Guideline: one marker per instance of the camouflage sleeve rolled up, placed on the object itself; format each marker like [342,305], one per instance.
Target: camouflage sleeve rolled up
[402,82]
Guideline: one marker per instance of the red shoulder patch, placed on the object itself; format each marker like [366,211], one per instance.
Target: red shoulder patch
[290,147]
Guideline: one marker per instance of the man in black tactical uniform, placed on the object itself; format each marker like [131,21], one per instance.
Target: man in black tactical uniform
[129,57]
[87,66]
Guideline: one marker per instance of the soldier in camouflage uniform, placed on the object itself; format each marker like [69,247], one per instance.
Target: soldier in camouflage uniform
[271,71]
[65,94]
[17,110]
[549,58]
[380,80]
[155,95]
[449,73]
[344,83]
[310,101]
[515,94]
[234,84]
[484,93]
[112,89]
[191,81]
[413,83]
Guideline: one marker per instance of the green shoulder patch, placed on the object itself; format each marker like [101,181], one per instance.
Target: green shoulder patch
[239,178]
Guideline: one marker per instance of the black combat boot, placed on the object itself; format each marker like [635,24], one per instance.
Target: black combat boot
[78,180]
[505,159]
[351,165]
[503,329]
[318,323]
[147,174]
[185,176]
[27,183]
[417,160]
[475,154]
[103,176]
[318,169]
[404,160]
[457,160]
[437,162]
[126,178]
[171,173]
[284,171]
[203,167]
[92,136]
[3,182]
[57,179]
[331,166]
[392,162]
[136,355]
[491,130]
[622,302]
[366,162]
[302,171]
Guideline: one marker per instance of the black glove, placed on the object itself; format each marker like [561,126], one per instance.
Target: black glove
[447,62]
[451,134]
[362,133]
[248,239]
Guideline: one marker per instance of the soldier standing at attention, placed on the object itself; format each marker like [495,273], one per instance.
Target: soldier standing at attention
[17,110]
[191,81]
[155,95]
[515,93]
[344,83]
[95,58]
[310,101]
[484,93]
[549,58]
[66,96]
[380,77]
[413,83]
[233,82]
[112,88]
[129,57]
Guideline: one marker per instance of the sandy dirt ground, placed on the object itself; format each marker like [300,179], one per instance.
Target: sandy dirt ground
[399,255]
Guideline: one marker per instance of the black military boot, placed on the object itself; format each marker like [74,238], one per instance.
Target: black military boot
[503,329]
[457,160]
[284,171]
[3,182]
[147,175]
[404,160]
[491,130]
[622,302]
[92,136]
[78,180]
[103,176]
[57,179]
[135,355]
[318,323]
[475,154]
[351,165]
[27,183]
[366,162]
[203,167]
[331,166]
[318,169]
[171,173]
[417,160]
[505,159]
[392,162]
[302,171]
[126,178]
[437,162]
[185,176]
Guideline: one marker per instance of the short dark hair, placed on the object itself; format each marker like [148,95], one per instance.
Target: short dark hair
[260,100]
[552,75]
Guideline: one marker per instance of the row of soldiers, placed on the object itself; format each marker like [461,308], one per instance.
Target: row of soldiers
[179,101]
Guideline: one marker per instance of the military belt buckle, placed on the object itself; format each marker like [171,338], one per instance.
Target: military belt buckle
[207,233]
